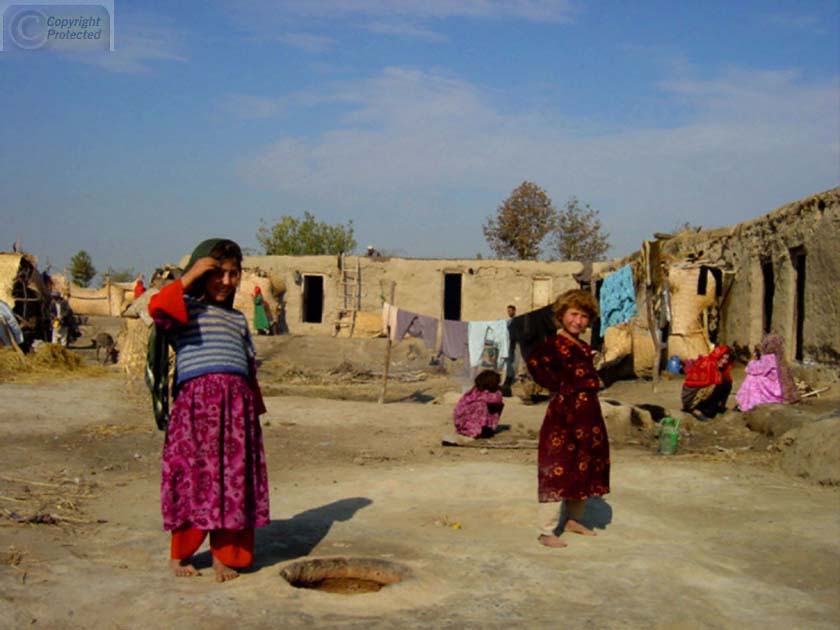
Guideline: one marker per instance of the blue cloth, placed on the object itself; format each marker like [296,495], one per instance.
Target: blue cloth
[495,331]
[8,316]
[618,298]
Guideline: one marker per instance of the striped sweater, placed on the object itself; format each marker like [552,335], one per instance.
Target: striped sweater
[213,340]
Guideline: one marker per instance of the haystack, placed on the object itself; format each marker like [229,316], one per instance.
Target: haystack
[9,265]
[368,325]
[618,342]
[688,338]
[133,342]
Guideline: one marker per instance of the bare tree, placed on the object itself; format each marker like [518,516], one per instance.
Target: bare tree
[521,223]
[578,234]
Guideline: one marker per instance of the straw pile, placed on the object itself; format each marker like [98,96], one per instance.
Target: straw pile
[618,342]
[9,265]
[688,338]
[368,325]
[47,359]
[133,342]
[643,350]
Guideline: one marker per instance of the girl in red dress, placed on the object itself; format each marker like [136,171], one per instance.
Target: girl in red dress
[574,454]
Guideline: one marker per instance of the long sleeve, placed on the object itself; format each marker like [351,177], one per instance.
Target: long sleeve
[167,307]
[544,364]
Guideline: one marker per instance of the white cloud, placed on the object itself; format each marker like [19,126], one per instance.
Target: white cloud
[435,146]
[140,40]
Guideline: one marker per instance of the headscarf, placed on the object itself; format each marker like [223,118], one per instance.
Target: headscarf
[257,291]
[705,370]
[775,345]
[157,354]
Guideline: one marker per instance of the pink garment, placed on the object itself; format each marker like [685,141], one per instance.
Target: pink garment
[761,385]
[213,464]
[471,413]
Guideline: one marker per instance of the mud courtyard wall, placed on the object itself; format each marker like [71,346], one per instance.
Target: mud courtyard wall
[486,286]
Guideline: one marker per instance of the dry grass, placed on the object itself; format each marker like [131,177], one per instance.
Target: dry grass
[48,360]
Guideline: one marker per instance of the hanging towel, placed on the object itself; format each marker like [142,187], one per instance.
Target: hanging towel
[530,329]
[618,298]
[454,344]
[417,325]
[496,330]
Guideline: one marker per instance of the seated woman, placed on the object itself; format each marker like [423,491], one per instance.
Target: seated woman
[708,384]
[479,409]
[768,378]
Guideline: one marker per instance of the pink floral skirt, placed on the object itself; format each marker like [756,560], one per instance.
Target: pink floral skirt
[213,464]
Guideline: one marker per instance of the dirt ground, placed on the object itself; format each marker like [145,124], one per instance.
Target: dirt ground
[716,536]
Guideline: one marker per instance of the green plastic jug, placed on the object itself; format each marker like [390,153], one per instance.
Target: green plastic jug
[669,435]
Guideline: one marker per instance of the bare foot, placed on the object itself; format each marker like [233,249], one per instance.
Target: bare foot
[223,572]
[551,541]
[576,528]
[183,568]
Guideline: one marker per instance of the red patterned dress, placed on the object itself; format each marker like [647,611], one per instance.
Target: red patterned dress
[574,454]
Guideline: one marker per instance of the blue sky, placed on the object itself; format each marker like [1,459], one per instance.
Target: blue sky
[415,119]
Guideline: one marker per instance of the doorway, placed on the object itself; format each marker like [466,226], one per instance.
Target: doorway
[541,293]
[452,296]
[797,259]
[769,293]
[313,299]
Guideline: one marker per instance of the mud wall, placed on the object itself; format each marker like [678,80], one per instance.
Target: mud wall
[784,276]
[486,286]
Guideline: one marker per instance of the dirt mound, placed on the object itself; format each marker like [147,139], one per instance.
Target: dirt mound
[47,359]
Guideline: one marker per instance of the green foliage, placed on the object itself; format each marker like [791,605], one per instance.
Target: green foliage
[82,270]
[578,234]
[521,223]
[119,275]
[296,237]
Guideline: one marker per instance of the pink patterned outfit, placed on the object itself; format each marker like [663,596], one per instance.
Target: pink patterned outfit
[213,464]
[761,384]
[477,409]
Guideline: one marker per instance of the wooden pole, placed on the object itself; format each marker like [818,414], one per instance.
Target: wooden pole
[653,328]
[391,291]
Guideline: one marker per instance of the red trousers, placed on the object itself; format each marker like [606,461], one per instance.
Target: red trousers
[233,548]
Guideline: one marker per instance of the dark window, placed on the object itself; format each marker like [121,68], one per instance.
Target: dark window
[452,296]
[313,299]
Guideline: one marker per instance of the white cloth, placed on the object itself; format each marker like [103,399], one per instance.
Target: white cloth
[495,331]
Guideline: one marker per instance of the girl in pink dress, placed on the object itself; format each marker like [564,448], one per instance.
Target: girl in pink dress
[478,411]
[213,466]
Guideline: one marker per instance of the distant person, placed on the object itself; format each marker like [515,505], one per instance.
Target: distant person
[139,287]
[61,320]
[261,323]
[708,383]
[213,465]
[510,370]
[372,251]
[574,453]
[477,413]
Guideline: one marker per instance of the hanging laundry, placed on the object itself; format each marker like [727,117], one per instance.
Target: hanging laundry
[618,298]
[417,325]
[454,344]
[530,329]
[495,332]
[389,321]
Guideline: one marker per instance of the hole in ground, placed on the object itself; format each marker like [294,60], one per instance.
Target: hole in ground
[347,576]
